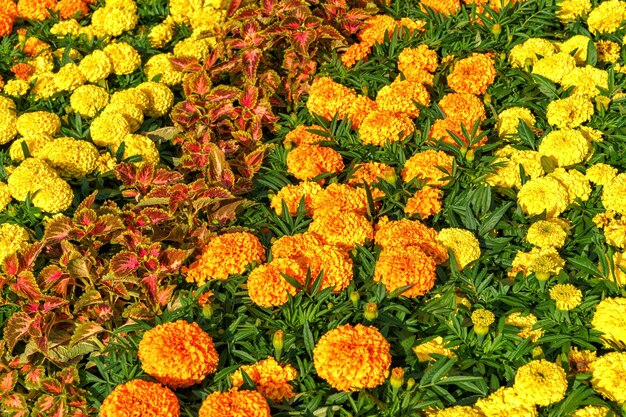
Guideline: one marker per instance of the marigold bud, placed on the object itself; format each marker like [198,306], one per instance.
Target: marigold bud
[355,297]
[277,340]
[397,378]
[371,311]
[470,155]
[410,383]
[207,310]
[496,29]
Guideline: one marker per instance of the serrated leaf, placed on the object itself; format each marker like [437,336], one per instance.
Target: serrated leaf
[85,331]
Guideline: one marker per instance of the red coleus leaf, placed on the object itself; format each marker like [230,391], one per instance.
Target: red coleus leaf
[198,83]
[137,311]
[328,32]
[233,7]
[254,160]
[186,64]
[302,40]
[11,265]
[52,386]
[85,217]
[15,402]
[59,229]
[166,177]
[291,23]
[17,328]
[33,378]
[155,215]
[151,283]
[249,96]
[172,259]
[223,93]
[26,286]
[106,224]
[8,381]
[164,295]
[45,403]
[124,264]
[68,376]
[251,59]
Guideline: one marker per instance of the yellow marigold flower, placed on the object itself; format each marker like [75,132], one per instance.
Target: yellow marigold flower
[38,123]
[13,238]
[72,158]
[8,125]
[601,174]
[462,243]
[482,319]
[178,354]
[607,17]
[194,48]
[530,51]
[352,358]
[570,10]
[327,98]
[459,411]
[570,112]
[132,113]
[225,255]
[140,145]
[579,44]
[526,323]
[608,51]
[473,74]
[547,233]
[115,20]
[382,126]
[554,67]
[591,410]
[301,136]
[124,58]
[293,194]
[66,27]
[609,320]
[88,100]
[235,403]
[16,88]
[540,382]
[270,377]
[445,7]
[566,296]
[160,65]
[5,198]
[566,147]
[6,103]
[69,78]
[580,360]
[586,80]
[425,202]
[414,62]
[160,98]
[132,96]
[268,288]
[615,235]
[309,161]
[141,398]
[359,109]
[96,66]
[161,34]
[609,376]
[406,233]
[337,199]
[575,183]
[399,267]
[106,162]
[44,86]
[423,351]
[109,129]
[465,108]
[430,166]
[400,96]
[613,194]
[345,231]
[505,402]
[544,262]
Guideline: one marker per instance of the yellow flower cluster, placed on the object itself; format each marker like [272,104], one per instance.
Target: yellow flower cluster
[462,243]
[609,320]
[437,346]
[526,323]
[609,376]
[13,238]
[115,18]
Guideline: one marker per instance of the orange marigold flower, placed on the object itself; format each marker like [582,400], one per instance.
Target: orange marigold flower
[327,98]
[463,107]
[441,131]
[268,288]
[293,194]
[352,358]
[225,255]
[430,165]
[400,97]
[301,136]
[178,354]
[6,24]
[398,267]
[23,71]
[35,46]
[270,377]
[35,9]
[445,7]
[372,173]
[140,398]
[473,74]
[374,29]
[71,8]
[406,233]
[420,58]
[8,7]
[294,247]
[382,126]
[235,403]
[355,52]
[308,161]
[426,202]
[205,298]
[344,231]
[359,109]
[339,198]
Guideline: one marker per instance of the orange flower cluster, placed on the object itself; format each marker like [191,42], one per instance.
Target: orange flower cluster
[445,7]
[418,64]
[235,403]
[339,198]
[429,166]
[178,354]
[225,255]
[309,161]
[8,14]
[293,194]
[301,136]
[352,358]
[371,173]
[38,9]
[425,203]
[406,233]
[268,288]
[473,74]
[373,32]
[344,231]
[383,126]
[140,398]
[270,377]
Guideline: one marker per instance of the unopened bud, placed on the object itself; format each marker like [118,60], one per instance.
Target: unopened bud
[355,297]
[537,353]
[371,311]
[277,340]
[602,103]
[410,383]
[391,178]
[207,310]
[397,378]
[496,29]
[542,276]
[470,155]
[487,98]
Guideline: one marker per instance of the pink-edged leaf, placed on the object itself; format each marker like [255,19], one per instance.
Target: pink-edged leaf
[223,93]
[11,265]
[123,264]
[34,378]
[302,40]
[164,295]
[249,96]
[52,303]
[88,202]
[26,286]
[8,381]
[291,23]
[328,32]
[58,229]
[312,22]
[166,177]
[17,328]
[254,160]
[186,64]
[145,173]
[155,215]
[197,83]
[251,59]
[151,283]
[172,259]
[89,298]
[15,402]
[45,403]
[106,224]
[233,7]
[29,255]
[52,276]
[126,172]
